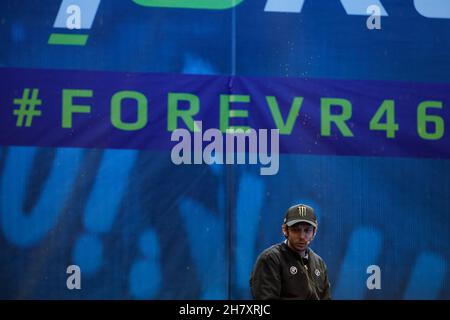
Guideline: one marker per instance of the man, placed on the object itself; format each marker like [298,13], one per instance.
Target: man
[291,270]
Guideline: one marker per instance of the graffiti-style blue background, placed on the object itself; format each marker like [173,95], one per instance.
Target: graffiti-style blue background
[141,227]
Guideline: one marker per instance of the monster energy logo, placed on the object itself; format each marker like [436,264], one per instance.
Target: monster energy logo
[302,211]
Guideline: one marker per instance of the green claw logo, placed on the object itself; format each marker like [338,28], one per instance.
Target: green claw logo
[192,4]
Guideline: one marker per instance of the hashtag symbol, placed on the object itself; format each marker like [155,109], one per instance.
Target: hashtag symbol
[27,107]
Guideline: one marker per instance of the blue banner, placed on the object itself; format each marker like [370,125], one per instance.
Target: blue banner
[139,111]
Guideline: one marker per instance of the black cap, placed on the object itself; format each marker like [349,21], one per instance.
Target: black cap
[300,213]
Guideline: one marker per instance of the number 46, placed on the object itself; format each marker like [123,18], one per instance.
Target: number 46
[390,126]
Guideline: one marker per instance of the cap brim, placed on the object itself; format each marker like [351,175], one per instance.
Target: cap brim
[292,222]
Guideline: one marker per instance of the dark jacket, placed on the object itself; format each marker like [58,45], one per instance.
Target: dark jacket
[281,273]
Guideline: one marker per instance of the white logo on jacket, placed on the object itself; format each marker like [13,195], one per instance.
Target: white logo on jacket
[293,270]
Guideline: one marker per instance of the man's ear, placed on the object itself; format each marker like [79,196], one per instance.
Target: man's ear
[284,230]
[315,232]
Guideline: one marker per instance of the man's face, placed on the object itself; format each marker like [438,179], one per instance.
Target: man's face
[299,235]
